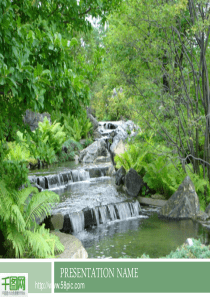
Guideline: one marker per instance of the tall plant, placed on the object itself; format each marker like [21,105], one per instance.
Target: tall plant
[18,213]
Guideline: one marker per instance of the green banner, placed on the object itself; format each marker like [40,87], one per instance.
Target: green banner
[39,274]
[132,277]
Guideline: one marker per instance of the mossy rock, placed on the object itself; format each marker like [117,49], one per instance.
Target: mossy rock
[158,196]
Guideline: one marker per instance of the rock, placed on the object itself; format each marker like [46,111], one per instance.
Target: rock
[118,147]
[102,160]
[82,141]
[93,121]
[189,242]
[120,133]
[96,149]
[119,180]
[128,126]
[73,246]
[202,216]
[65,149]
[96,134]
[207,210]
[76,159]
[38,187]
[102,170]
[158,196]
[89,216]
[133,183]
[91,110]
[183,204]
[32,118]
[150,201]
[57,221]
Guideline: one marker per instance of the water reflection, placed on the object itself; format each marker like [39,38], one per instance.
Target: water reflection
[134,237]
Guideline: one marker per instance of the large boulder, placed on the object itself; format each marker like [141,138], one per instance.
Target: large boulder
[183,204]
[133,183]
[33,118]
[96,149]
[120,176]
[73,246]
[117,147]
[92,119]
[96,135]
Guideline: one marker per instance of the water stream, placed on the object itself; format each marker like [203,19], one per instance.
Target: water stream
[107,221]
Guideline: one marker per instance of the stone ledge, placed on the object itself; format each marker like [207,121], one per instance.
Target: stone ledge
[73,246]
[151,201]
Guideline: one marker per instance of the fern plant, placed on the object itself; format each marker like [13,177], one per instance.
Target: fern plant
[52,134]
[40,148]
[74,129]
[18,213]
[135,157]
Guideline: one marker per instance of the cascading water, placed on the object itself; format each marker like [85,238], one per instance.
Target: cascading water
[77,221]
[80,175]
[95,211]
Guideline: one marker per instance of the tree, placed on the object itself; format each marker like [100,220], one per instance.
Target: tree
[38,65]
[158,51]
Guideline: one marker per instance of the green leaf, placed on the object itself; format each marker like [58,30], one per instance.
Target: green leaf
[73,41]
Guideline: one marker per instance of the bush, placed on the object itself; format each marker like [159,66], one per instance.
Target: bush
[43,144]
[73,147]
[75,127]
[23,237]
[197,251]
[14,173]
[40,148]
[52,135]
[161,171]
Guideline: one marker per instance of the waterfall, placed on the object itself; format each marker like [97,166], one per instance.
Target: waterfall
[112,212]
[42,182]
[103,214]
[53,181]
[135,208]
[77,221]
[80,175]
[96,212]
[123,210]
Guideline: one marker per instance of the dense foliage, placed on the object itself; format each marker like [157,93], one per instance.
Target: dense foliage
[45,65]
[161,171]
[19,212]
[75,127]
[158,53]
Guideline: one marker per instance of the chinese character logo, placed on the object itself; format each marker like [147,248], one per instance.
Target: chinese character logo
[14,284]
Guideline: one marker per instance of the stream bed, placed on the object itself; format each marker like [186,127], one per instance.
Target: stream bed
[108,222]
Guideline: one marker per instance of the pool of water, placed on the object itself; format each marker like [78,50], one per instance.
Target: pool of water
[134,237]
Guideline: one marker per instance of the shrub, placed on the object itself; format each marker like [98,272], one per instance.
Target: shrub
[52,135]
[14,173]
[40,148]
[75,127]
[23,237]
[161,171]
[196,251]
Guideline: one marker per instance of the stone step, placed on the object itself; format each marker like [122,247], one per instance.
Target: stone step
[151,201]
